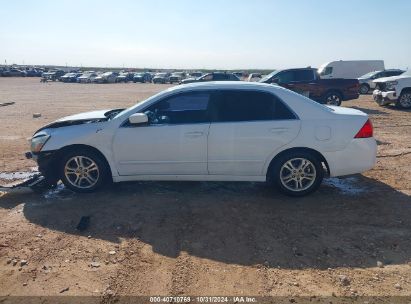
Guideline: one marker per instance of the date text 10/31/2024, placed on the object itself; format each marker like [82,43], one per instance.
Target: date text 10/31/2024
[203,299]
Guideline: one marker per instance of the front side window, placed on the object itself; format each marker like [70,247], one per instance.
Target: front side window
[304,75]
[218,77]
[326,71]
[285,77]
[183,108]
[207,77]
[232,106]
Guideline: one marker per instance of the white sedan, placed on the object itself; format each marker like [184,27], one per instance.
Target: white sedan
[225,131]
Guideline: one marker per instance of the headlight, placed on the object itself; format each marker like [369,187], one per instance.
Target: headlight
[38,142]
[390,85]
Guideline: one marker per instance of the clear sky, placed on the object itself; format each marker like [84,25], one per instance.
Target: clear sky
[221,34]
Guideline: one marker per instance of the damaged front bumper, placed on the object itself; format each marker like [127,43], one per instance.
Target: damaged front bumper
[47,162]
[383,98]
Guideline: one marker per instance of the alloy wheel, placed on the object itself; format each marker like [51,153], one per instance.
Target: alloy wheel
[81,172]
[333,100]
[405,100]
[298,174]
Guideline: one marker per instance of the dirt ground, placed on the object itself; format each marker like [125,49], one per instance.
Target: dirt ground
[352,237]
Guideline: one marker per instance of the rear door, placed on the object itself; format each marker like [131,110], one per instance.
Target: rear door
[247,128]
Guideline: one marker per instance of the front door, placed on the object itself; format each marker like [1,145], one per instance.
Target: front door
[173,143]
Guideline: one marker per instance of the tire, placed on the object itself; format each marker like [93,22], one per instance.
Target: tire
[404,102]
[83,170]
[333,98]
[288,178]
[364,88]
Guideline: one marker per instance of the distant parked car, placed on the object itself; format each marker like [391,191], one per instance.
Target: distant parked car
[161,78]
[14,73]
[70,77]
[177,77]
[394,89]
[367,81]
[253,77]
[216,76]
[142,77]
[87,77]
[239,74]
[196,74]
[53,75]
[125,77]
[33,73]
[306,81]
[107,77]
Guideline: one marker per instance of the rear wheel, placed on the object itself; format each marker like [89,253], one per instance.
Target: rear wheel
[404,101]
[297,173]
[364,88]
[333,98]
[83,170]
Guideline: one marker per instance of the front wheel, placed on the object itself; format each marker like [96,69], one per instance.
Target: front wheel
[404,101]
[297,173]
[333,99]
[83,170]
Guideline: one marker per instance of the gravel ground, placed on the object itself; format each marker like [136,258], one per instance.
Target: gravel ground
[352,237]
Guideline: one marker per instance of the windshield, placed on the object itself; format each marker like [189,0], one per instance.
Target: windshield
[369,75]
[161,75]
[266,77]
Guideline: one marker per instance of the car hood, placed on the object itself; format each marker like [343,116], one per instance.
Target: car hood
[392,78]
[188,80]
[86,115]
[81,118]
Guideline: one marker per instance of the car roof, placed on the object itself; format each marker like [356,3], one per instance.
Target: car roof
[216,85]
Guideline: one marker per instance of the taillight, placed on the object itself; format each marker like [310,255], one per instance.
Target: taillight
[366,130]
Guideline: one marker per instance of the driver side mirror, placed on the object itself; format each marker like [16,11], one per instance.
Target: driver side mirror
[275,80]
[138,118]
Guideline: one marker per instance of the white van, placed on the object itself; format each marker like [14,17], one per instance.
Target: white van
[349,69]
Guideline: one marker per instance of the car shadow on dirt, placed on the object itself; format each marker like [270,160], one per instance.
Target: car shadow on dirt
[351,222]
[381,112]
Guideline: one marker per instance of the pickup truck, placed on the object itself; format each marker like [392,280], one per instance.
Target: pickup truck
[307,82]
[395,89]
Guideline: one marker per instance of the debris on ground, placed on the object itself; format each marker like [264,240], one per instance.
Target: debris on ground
[398,286]
[64,290]
[95,264]
[3,104]
[344,280]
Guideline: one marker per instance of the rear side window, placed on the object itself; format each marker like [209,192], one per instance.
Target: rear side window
[393,73]
[232,106]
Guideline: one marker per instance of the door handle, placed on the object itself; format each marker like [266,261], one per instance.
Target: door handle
[278,130]
[194,134]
